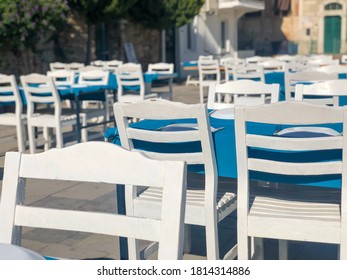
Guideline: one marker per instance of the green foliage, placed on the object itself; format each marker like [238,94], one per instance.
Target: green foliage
[165,14]
[95,11]
[22,23]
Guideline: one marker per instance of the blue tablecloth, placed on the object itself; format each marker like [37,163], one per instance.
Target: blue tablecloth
[225,149]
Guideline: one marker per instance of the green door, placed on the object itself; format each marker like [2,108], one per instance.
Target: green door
[332,34]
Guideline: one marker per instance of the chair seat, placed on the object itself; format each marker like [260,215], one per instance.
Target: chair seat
[50,120]
[10,118]
[306,210]
[150,199]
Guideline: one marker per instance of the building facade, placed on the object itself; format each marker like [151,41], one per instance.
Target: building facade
[296,26]
[214,31]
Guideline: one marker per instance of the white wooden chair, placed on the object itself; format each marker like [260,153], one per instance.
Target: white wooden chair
[241,92]
[75,66]
[63,77]
[163,68]
[209,72]
[328,92]
[111,65]
[98,111]
[131,85]
[98,63]
[310,76]
[85,162]
[206,205]
[229,65]
[272,65]
[55,66]
[9,93]
[40,90]
[284,213]
[250,72]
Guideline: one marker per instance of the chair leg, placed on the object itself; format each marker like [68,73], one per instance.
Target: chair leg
[257,248]
[243,245]
[59,137]
[20,137]
[31,136]
[46,138]
[133,249]
[201,94]
[212,242]
[283,249]
[187,239]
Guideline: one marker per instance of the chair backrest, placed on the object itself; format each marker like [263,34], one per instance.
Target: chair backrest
[85,162]
[131,85]
[273,65]
[291,79]
[111,65]
[205,57]
[326,93]
[323,61]
[40,89]
[297,66]
[98,63]
[299,163]
[94,77]
[55,66]
[231,61]
[9,93]
[63,77]
[75,66]
[242,92]
[161,67]
[249,71]
[340,69]
[208,71]
[160,109]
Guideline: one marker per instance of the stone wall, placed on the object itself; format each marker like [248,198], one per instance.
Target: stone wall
[69,45]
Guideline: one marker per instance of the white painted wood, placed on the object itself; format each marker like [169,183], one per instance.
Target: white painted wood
[131,85]
[241,92]
[9,93]
[38,90]
[73,164]
[312,214]
[55,66]
[272,65]
[209,73]
[330,90]
[340,69]
[96,111]
[309,76]
[205,206]
[111,65]
[249,71]
[75,66]
[163,68]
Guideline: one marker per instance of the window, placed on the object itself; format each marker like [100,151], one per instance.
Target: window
[333,6]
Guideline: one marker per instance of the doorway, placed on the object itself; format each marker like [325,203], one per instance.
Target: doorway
[332,34]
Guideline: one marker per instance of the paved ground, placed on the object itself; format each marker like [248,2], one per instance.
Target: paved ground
[93,197]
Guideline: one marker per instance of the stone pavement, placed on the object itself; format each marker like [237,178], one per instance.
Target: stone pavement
[83,196]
